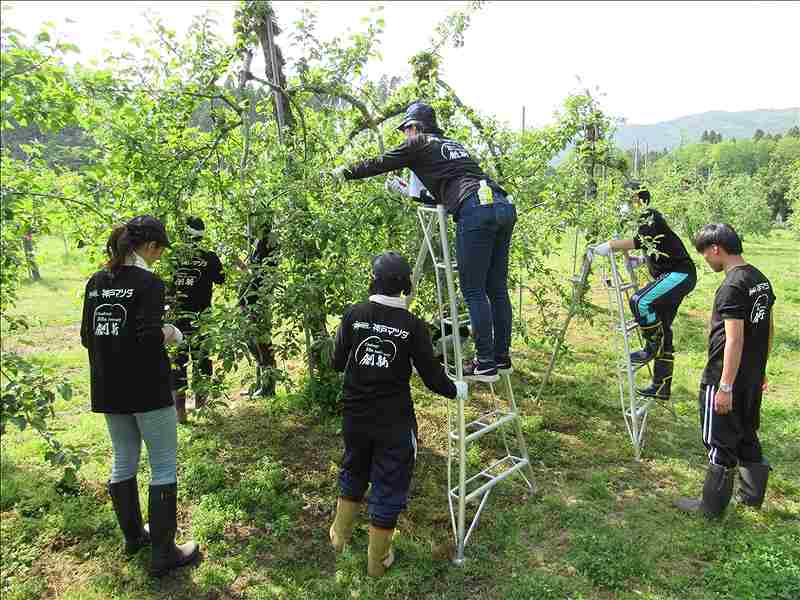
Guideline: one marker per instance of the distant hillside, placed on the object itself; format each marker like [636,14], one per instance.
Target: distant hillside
[669,134]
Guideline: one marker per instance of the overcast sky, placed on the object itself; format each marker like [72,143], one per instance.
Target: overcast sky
[654,61]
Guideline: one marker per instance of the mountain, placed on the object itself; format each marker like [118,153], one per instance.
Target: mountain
[742,124]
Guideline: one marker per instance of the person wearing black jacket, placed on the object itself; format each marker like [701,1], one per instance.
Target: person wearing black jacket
[123,330]
[376,345]
[196,272]
[735,377]
[483,228]
[254,301]
[655,305]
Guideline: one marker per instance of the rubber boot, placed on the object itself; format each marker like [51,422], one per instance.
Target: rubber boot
[180,407]
[753,477]
[662,378]
[125,498]
[380,555]
[717,492]
[653,343]
[163,527]
[343,523]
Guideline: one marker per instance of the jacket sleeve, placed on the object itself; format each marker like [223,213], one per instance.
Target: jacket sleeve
[394,160]
[150,316]
[343,343]
[217,273]
[430,370]
[86,319]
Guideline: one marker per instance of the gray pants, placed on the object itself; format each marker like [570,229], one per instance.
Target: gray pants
[159,430]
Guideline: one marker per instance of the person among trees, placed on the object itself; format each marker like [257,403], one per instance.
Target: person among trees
[196,271]
[739,344]
[254,301]
[376,346]
[655,305]
[483,228]
[131,383]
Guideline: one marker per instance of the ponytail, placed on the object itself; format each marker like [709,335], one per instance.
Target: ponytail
[120,244]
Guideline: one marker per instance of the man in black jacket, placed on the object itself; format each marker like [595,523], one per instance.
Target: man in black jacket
[196,272]
[483,230]
[656,304]
[376,345]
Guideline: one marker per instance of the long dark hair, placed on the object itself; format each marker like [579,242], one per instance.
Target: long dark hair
[120,244]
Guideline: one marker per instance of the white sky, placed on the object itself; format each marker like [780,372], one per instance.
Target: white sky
[654,61]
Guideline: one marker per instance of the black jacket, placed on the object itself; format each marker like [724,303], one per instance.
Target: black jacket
[121,328]
[375,347]
[670,255]
[445,167]
[193,278]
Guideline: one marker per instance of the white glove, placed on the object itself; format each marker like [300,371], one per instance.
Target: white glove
[338,173]
[603,249]
[172,335]
[462,390]
[634,262]
[396,185]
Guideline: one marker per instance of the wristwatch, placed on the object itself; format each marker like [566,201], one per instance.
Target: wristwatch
[726,387]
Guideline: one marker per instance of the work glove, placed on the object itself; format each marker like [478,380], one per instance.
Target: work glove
[603,249]
[634,262]
[338,174]
[396,185]
[462,390]
[172,335]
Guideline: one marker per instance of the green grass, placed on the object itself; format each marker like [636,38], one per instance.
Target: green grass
[258,483]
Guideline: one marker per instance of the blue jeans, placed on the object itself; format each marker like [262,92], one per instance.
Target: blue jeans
[159,430]
[483,240]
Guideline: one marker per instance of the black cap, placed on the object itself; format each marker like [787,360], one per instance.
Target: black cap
[147,228]
[423,114]
[195,226]
[392,273]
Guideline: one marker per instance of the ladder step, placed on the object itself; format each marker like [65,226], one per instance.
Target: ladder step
[462,320]
[485,424]
[510,464]
[629,326]
[442,265]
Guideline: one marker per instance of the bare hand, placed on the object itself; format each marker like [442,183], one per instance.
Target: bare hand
[765,385]
[723,402]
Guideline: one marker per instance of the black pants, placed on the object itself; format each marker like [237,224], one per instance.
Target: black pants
[200,358]
[659,301]
[384,458]
[732,437]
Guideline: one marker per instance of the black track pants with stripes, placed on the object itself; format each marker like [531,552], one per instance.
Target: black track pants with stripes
[731,437]
[659,301]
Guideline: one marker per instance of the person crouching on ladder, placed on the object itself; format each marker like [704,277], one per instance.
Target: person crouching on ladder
[484,216]
[655,305]
[375,346]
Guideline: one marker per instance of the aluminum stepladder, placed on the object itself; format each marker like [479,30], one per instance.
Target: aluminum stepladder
[634,406]
[464,488]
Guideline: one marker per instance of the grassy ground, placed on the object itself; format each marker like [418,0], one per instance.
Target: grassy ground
[257,484]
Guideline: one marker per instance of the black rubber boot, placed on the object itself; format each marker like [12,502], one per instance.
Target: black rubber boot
[662,378]
[717,492]
[653,343]
[163,527]
[125,498]
[753,482]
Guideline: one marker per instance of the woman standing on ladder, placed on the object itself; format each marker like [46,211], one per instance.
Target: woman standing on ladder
[484,224]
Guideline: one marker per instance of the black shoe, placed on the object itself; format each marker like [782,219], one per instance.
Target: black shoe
[503,364]
[717,492]
[753,479]
[662,378]
[125,498]
[653,344]
[163,527]
[481,370]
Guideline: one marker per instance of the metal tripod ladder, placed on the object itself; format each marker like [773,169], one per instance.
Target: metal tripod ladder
[635,407]
[502,417]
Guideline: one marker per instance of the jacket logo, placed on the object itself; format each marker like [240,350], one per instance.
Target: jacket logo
[453,151]
[376,352]
[759,312]
[109,319]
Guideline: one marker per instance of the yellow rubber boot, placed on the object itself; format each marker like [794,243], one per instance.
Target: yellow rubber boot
[343,523]
[380,555]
